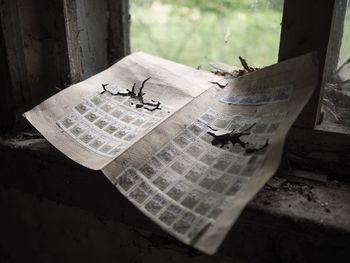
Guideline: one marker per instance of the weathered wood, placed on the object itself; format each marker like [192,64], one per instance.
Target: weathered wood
[36,44]
[72,33]
[306,27]
[325,148]
[51,44]
[335,38]
[293,214]
[97,35]
[118,30]
[6,98]
[44,40]
[15,51]
[92,20]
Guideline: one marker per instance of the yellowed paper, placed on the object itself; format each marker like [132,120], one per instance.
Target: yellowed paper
[82,123]
[207,152]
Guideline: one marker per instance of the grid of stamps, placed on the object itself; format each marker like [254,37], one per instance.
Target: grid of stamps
[267,96]
[108,124]
[188,182]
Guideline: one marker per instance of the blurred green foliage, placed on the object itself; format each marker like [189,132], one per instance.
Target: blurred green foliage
[345,47]
[195,32]
[225,6]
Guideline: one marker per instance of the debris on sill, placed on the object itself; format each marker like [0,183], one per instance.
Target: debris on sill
[273,183]
[246,66]
[228,71]
[281,184]
[31,135]
[296,180]
[24,142]
[24,136]
[302,189]
[297,194]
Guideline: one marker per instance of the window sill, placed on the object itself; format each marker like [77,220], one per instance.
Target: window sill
[288,207]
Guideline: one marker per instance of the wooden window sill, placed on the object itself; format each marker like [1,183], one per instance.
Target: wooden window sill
[288,205]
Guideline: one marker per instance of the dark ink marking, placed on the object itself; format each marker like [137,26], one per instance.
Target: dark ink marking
[232,137]
[211,127]
[220,85]
[156,106]
[235,138]
[139,96]
[104,88]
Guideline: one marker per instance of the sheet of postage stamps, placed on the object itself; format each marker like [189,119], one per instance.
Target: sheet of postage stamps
[264,96]
[189,181]
[107,124]
[195,172]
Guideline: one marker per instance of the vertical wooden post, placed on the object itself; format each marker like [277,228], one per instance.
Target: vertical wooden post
[13,44]
[306,27]
[119,30]
[7,116]
[97,35]
[72,33]
[50,44]
[335,38]
[35,41]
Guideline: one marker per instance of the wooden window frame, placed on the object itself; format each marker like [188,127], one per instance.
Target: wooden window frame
[306,26]
[318,26]
[61,46]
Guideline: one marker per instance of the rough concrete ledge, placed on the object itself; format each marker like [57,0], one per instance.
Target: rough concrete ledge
[290,220]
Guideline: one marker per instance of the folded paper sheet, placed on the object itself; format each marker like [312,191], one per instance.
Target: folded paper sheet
[187,153]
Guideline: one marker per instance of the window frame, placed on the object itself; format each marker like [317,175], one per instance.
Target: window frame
[317,29]
[38,65]
[309,132]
